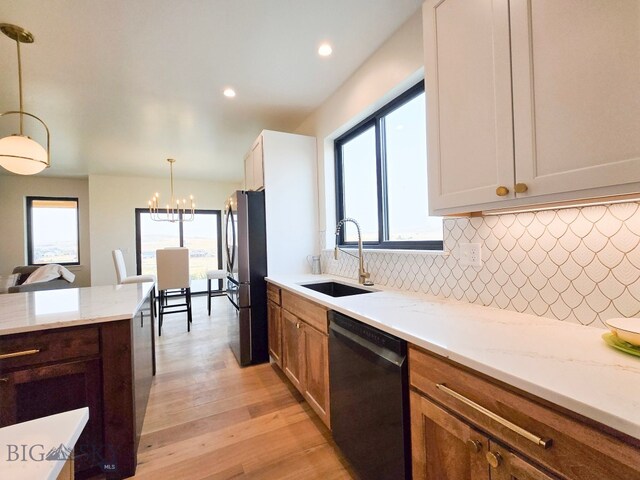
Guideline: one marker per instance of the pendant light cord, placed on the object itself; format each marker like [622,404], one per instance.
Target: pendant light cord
[20,83]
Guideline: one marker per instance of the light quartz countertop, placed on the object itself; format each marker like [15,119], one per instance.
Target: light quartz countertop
[566,364]
[40,436]
[46,309]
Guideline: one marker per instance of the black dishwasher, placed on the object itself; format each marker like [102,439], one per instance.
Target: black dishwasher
[369,398]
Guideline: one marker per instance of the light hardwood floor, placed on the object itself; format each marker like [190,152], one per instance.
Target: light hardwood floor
[208,418]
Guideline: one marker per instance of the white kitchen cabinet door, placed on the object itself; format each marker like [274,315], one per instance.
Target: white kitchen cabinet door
[576,91]
[469,107]
[248,172]
[258,165]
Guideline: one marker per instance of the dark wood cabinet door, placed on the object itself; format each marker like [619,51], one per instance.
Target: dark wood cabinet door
[293,349]
[275,332]
[509,466]
[316,350]
[47,390]
[443,447]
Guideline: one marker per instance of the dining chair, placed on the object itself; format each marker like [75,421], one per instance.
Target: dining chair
[122,278]
[218,275]
[173,281]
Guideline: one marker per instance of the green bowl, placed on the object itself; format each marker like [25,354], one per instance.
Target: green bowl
[612,340]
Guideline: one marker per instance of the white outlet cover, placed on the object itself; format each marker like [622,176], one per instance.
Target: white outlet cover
[471,254]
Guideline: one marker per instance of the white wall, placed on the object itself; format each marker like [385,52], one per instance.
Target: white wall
[113,203]
[395,66]
[13,190]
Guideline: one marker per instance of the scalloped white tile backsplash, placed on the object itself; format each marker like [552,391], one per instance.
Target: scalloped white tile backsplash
[581,265]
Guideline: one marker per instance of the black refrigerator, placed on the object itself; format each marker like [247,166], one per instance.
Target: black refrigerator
[246,250]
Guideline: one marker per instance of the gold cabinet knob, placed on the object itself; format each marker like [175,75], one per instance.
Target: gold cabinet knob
[298,325]
[502,191]
[494,459]
[474,445]
[521,187]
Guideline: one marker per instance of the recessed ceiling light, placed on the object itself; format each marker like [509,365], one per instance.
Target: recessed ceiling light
[325,50]
[229,92]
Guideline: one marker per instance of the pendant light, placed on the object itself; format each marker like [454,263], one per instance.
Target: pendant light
[19,153]
[175,210]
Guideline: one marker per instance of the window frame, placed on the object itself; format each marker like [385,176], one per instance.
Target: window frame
[202,211]
[29,205]
[376,120]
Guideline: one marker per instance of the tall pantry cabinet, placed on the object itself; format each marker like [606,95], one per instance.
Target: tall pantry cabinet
[284,166]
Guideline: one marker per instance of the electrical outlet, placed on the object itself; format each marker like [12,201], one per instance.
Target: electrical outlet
[471,254]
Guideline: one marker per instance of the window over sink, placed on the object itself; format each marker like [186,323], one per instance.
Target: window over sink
[381,178]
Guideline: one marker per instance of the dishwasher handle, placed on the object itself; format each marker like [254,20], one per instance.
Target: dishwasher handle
[385,353]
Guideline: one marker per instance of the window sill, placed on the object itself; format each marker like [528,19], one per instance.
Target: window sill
[443,253]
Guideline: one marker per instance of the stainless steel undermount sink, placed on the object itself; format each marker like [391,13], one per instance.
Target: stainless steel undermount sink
[334,289]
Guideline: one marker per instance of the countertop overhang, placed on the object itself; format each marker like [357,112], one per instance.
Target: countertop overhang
[566,364]
[47,309]
[40,437]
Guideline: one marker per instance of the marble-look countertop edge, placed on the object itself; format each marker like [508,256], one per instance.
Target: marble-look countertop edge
[63,324]
[50,432]
[604,416]
[90,320]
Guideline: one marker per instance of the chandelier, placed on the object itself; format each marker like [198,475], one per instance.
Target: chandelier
[175,211]
[19,153]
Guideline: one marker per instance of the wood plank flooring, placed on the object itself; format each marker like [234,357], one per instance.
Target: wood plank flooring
[208,418]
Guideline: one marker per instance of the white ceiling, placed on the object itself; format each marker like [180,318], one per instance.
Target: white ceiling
[124,84]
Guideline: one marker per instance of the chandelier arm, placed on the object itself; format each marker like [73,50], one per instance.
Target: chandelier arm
[173,212]
[171,181]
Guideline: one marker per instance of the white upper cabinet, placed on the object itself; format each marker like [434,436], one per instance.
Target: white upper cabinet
[468,84]
[576,90]
[573,127]
[254,167]
[248,171]
[258,165]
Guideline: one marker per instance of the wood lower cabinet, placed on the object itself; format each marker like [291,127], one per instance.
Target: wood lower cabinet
[510,466]
[447,448]
[316,378]
[443,447]
[518,436]
[107,367]
[299,328]
[37,392]
[274,317]
[293,361]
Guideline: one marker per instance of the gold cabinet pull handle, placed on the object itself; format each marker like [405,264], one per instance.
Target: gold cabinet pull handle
[502,191]
[474,445]
[542,442]
[494,459]
[521,187]
[298,325]
[19,354]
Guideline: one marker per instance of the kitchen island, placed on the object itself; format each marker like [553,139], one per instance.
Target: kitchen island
[558,380]
[84,347]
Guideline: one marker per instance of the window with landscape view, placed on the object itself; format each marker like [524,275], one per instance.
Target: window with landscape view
[202,237]
[381,177]
[52,231]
